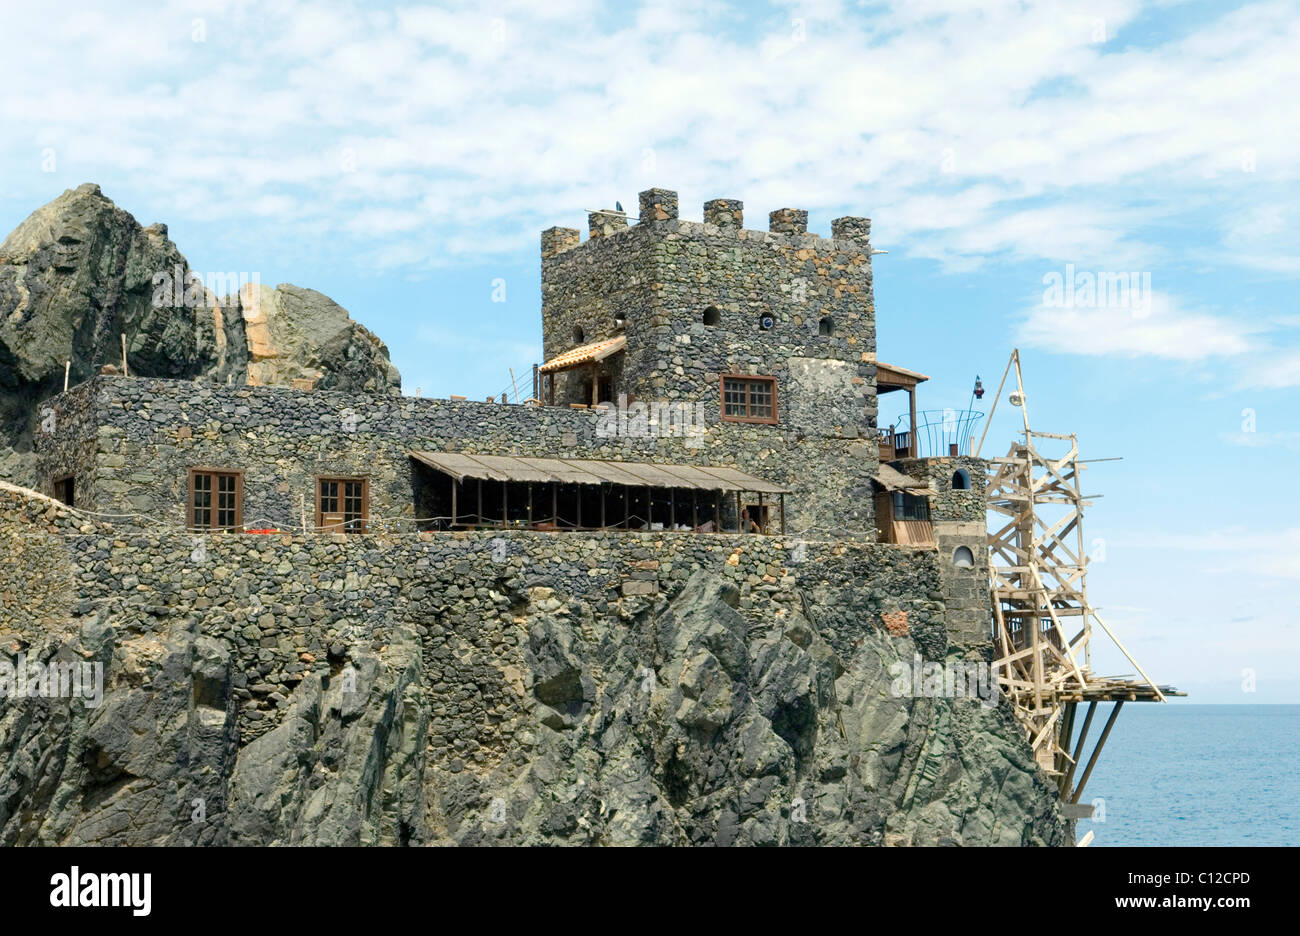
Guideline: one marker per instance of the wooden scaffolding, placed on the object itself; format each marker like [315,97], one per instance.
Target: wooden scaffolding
[1038,571]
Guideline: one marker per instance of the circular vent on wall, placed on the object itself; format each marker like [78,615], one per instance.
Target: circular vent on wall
[765,322]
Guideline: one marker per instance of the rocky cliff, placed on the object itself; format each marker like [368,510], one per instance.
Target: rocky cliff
[80,272]
[471,689]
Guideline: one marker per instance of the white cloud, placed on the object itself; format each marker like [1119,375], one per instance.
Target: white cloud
[1286,439]
[1160,329]
[1244,551]
[1275,370]
[823,106]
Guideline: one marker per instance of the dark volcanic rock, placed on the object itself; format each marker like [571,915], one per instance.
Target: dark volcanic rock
[682,723]
[80,272]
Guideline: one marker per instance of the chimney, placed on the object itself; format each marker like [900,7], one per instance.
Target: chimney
[658,205]
[788,221]
[605,223]
[857,230]
[726,213]
[557,240]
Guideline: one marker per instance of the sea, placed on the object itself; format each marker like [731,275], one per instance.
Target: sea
[1182,774]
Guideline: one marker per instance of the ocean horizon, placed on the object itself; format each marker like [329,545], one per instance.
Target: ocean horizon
[1187,775]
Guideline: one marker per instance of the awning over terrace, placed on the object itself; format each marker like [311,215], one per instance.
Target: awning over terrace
[585,354]
[590,471]
[891,479]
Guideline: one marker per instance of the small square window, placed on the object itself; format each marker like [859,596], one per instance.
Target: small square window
[748,399]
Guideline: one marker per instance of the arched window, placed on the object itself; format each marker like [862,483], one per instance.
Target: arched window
[963,558]
[712,316]
[826,326]
[578,334]
[961,480]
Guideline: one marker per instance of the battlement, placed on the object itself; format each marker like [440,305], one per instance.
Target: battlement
[659,213]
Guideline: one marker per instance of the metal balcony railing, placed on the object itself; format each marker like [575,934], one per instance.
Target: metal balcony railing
[937,432]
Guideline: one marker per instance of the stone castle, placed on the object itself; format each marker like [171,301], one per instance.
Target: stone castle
[695,538]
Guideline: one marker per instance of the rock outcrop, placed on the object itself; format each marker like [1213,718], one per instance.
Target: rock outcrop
[80,272]
[720,713]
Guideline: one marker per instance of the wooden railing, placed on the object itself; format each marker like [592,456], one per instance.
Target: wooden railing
[895,445]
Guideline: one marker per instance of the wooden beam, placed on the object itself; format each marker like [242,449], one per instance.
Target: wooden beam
[911,407]
[1092,761]
[1078,750]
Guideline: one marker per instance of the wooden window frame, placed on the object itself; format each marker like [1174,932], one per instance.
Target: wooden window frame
[761,420]
[364,526]
[213,526]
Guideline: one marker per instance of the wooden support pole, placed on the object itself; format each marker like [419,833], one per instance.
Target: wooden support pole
[762,515]
[738,513]
[555,504]
[454,485]
[124,373]
[782,496]
[480,501]
[1092,761]
[1078,750]
[997,396]
[530,504]
[911,408]
[695,511]
[672,508]
[67,370]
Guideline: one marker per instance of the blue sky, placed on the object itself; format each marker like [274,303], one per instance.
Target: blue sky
[403,158]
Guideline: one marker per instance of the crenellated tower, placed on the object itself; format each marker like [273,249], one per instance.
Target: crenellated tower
[772,332]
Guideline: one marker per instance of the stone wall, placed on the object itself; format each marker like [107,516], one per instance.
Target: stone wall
[959,521]
[288,606]
[37,570]
[132,442]
[949,503]
[291,605]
